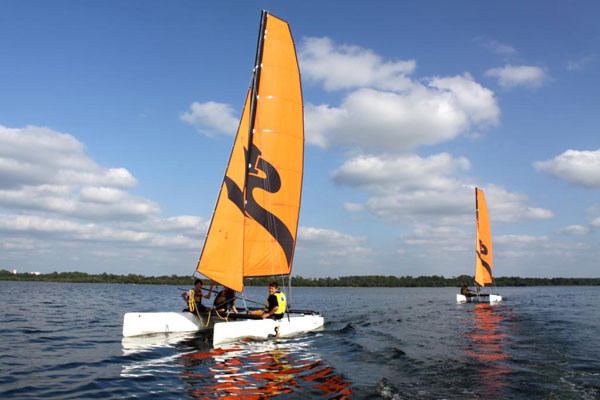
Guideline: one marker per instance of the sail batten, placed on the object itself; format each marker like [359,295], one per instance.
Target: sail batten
[254,226]
[483,253]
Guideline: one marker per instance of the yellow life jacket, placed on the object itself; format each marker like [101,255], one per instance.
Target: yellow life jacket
[281,303]
[198,297]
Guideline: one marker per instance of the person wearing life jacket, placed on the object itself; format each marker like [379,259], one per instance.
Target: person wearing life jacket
[225,301]
[197,297]
[465,291]
[276,304]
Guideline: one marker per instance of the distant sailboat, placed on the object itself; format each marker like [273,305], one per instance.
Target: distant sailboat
[254,225]
[483,254]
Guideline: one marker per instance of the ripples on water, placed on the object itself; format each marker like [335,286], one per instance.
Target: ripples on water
[64,341]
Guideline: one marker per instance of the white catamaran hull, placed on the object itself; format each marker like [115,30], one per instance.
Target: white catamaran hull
[136,324]
[492,298]
[225,332]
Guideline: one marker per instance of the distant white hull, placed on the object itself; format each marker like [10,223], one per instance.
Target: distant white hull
[225,332]
[136,324]
[492,298]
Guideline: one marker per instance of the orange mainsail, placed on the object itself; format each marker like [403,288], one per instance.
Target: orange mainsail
[254,225]
[483,257]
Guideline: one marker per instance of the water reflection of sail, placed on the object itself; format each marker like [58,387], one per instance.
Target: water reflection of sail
[262,369]
[487,348]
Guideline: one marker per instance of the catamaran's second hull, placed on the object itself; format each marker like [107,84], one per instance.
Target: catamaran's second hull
[137,324]
[289,325]
[491,298]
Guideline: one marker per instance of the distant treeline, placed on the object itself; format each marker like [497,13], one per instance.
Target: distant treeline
[343,281]
[437,281]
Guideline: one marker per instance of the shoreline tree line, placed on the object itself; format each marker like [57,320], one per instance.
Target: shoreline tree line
[298,281]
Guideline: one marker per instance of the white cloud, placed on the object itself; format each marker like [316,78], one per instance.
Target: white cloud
[327,238]
[440,239]
[59,230]
[384,109]
[580,168]
[477,102]
[575,230]
[453,205]
[547,257]
[354,207]
[410,172]
[520,240]
[188,225]
[511,207]
[416,190]
[502,48]
[373,120]
[101,194]
[519,75]
[528,245]
[331,246]
[384,115]
[212,118]
[91,203]
[35,155]
[60,210]
[325,252]
[53,244]
[592,212]
[580,64]
[46,171]
[345,66]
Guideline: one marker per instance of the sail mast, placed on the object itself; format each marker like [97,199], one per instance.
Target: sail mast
[476,237]
[254,90]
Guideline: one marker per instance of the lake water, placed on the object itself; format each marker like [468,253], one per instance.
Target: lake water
[64,341]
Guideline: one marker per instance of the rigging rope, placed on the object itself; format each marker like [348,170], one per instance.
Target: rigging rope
[192,307]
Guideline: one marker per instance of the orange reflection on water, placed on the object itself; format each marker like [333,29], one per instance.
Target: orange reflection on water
[257,370]
[487,347]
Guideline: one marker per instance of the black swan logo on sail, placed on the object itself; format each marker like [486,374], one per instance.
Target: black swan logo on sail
[483,250]
[271,183]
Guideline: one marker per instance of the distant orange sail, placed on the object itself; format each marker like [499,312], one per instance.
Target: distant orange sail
[483,256]
[254,226]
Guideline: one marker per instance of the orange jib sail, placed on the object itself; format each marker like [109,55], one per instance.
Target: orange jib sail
[254,226]
[483,256]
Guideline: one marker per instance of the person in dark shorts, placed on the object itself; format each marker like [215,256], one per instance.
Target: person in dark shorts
[225,301]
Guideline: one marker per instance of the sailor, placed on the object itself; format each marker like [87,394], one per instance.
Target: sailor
[197,297]
[276,303]
[225,301]
[465,291]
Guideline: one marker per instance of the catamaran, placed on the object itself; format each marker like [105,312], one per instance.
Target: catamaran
[483,255]
[254,226]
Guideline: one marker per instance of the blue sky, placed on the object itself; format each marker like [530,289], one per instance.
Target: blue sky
[117,119]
